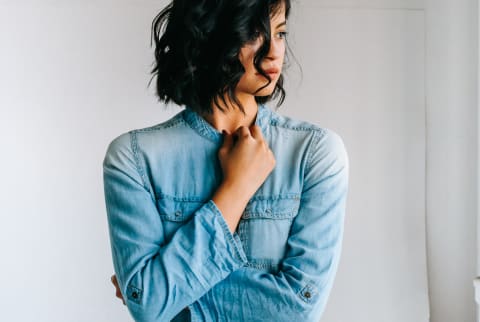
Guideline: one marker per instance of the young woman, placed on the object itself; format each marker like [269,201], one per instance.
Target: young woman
[228,211]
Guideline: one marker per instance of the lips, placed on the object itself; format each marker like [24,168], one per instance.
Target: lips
[272,70]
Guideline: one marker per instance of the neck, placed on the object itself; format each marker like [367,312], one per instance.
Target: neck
[233,118]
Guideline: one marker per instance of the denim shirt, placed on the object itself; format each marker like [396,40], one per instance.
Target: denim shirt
[173,253]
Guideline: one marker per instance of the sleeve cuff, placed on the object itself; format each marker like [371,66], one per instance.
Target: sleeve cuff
[233,240]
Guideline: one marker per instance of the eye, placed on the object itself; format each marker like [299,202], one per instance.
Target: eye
[282,34]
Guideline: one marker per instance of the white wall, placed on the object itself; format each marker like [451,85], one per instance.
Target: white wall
[364,77]
[73,75]
[451,157]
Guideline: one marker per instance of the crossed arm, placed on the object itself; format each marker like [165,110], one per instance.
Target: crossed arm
[157,273]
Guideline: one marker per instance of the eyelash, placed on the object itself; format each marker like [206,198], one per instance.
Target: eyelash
[283,33]
[257,34]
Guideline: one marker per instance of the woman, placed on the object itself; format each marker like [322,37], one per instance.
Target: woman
[227,211]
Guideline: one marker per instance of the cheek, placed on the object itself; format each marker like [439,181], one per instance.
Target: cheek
[247,54]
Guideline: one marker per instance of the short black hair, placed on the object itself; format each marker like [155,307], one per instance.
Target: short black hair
[197,45]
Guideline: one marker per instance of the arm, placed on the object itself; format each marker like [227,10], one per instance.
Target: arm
[158,280]
[299,291]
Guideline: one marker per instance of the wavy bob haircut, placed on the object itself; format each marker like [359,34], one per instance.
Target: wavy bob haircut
[197,44]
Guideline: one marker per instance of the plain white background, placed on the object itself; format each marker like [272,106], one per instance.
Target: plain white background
[74,74]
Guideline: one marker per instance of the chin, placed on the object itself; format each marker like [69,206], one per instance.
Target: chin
[267,91]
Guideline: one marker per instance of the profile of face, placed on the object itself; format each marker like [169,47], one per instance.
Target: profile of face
[251,80]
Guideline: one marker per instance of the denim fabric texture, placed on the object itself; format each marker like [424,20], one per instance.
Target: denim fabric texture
[172,248]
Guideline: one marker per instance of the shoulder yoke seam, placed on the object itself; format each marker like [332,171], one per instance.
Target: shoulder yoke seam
[141,173]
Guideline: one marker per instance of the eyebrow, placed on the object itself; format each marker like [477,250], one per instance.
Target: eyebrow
[281,24]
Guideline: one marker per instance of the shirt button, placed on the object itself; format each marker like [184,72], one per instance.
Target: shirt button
[134,295]
[307,294]
[178,213]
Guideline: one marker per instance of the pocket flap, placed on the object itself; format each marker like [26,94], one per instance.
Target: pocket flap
[177,210]
[274,208]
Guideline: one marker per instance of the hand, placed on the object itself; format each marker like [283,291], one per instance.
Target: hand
[248,161]
[118,293]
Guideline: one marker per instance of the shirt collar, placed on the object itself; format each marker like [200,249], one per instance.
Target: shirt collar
[205,129]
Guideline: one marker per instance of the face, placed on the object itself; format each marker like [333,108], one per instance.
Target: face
[251,81]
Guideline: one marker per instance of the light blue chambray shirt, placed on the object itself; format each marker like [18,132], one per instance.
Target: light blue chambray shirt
[173,253]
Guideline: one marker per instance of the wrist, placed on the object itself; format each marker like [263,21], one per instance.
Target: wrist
[231,202]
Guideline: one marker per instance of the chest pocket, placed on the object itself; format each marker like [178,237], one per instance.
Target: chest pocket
[264,229]
[174,212]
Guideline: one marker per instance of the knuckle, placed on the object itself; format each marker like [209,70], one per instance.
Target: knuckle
[243,130]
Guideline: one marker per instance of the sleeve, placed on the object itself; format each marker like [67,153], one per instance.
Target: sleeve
[158,280]
[299,291]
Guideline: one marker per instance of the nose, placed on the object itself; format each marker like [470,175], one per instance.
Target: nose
[277,49]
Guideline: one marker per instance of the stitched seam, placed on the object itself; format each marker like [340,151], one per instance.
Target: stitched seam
[185,199]
[292,196]
[200,129]
[277,215]
[278,197]
[171,123]
[141,173]
[226,231]
[317,136]
[276,122]
[262,265]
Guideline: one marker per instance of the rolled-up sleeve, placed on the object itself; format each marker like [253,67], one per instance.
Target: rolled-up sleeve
[299,291]
[159,279]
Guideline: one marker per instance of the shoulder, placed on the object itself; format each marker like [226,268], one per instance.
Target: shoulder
[322,139]
[126,143]
[118,148]
[326,152]
[293,124]
[327,157]
[329,142]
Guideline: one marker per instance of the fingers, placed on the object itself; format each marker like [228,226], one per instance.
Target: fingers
[117,288]
[119,295]
[227,139]
[256,131]
[242,131]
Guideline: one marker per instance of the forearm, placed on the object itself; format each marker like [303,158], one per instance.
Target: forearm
[231,200]
[159,278]
[162,280]
[262,296]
